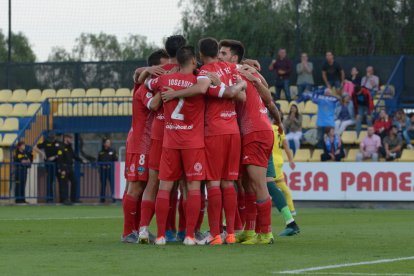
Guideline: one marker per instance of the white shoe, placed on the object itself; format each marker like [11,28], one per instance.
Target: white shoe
[189,241]
[143,237]
[293,213]
[223,235]
[160,241]
[409,146]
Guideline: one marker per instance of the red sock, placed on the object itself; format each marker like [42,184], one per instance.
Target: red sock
[238,226]
[181,211]
[230,207]
[138,216]
[202,210]
[214,210]
[192,211]
[147,212]
[172,214]
[162,207]
[264,214]
[129,205]
[241,202]
[251,211]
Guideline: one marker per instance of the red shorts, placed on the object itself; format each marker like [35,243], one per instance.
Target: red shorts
[257,148]
[155,155]
[136,167]
[223,156]
[178,162]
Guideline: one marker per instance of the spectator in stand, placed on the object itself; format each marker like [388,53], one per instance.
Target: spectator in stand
[332,73]
[332,150]
[409,133]
[370,81]
[293,126]
[382,125]
[363,105]
[304,71]
[349,85]
[344,114]
[283,67]
[355,78]
[392,145]
[369,147]
[401,120]
[107,158]
[23,159]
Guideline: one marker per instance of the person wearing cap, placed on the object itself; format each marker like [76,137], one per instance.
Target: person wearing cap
[392,145]
[344,114]
[48,150]
[66,174]
[106,158]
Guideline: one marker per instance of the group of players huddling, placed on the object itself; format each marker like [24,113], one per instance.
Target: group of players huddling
[197,129]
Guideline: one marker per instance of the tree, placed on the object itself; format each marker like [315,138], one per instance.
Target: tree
[21,50]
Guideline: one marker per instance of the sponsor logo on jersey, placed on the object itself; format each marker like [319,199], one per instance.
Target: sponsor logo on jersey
[263,110]
[132,168]
[179,127]
[141,170]
[227,114]
[198,167]
[160,117]
[148,95]
[245,157]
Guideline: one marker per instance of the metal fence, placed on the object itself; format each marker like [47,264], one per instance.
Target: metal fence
[44,182]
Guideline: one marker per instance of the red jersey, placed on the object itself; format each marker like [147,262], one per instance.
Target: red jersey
[184,117]
[221,116]
[139,136]
[157,131]
[252,114]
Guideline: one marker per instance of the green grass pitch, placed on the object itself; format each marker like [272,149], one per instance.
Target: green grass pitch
[84,240]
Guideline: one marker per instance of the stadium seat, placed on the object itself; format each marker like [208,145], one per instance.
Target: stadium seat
[5,95]
[19,110]
[1,153]
[301,106]
[8,139]
[78,92]
[1,122]
[62,93]
[284,106]
[10,124]
[125,109]
[312,123]
[65,109]
[407,156]
[110,92]
[361,136]
[123,92]
[93,92]
[349,137]
[305,121]
[272,89]
[5,109]
[48,93]
[310,108]
[95,109]
[80,109]
[316,155]
[32,109]
[302,155]
[284,155]
[33,95]
[110,109]
[351,156]
[19,95]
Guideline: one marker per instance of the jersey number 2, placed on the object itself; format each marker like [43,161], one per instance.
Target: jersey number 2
[176,115]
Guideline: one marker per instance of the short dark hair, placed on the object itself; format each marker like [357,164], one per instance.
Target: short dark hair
[209,47]
[236,47]
[20,143]
[173,43]
[155,57]
[185,54]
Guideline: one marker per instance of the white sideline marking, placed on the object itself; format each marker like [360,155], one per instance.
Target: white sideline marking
[358,273]
[299,271]
[67,218]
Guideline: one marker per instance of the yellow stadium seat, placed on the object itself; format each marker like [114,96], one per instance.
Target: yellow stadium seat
[312,123]
[80,109]
[272,89]
[1,153]
[284,106]
[305,121]
[110,109]
[302,155]
[284,155]
[121,92]
[351,156]
[19,110]
[301,106]
[93,92]
[310,108]
[349,137]
[65,109]
[33,95]
[18,95]
[407,156]
[361,136]
[293,91]
[108,92]
[48,93]
[5,95]
[125,109]
[316,155]
[95,109]
[32,109]
[8,139]
[78,92]
[10,124]
[1,122]
[63,93]
[6,109]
